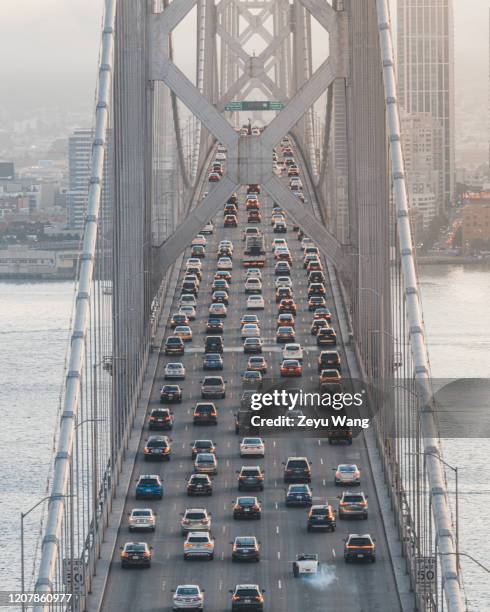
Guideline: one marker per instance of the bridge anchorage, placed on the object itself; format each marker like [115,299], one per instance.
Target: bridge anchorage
[340,118]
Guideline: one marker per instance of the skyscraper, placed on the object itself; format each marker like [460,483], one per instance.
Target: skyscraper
[425,59]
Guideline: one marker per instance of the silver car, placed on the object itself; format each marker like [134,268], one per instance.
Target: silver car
[195,519]
[206,463]
[142,519]
[199,544]
[188,597]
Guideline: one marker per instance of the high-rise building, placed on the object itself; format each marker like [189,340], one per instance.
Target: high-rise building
[425,59]
[79,160]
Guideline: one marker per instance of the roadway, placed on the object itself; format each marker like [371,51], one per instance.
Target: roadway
[282,532]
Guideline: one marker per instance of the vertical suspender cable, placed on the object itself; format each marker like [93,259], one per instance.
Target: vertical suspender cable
[435,472]
[53,533]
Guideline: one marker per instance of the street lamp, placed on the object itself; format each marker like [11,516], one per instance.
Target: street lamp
[22,517]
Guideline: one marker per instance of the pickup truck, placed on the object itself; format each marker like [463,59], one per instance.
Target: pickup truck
[305,565]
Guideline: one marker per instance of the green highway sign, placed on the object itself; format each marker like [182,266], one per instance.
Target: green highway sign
[250,105]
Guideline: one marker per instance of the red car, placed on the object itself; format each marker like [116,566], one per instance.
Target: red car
[230,221]
[291,367]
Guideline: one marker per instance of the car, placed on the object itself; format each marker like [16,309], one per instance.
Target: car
[197,250]
[178,319]
[195,519]
[290,367]
[283,293]
[311,248]
[326,336]
[220,284]
[194,271]
[321,517]
[223,274]
[353,505]
[250,318]
[160,418]
[315,264]
[250,477]
[142,519]
[254,216]
[316,277]
[283,255]
[212,361]
[293,170]
[250,330]
[170,394]
[347,474]
[174,371]
[285,319]
[253,273]
[225,263]
[322,313]
[206,463]
[299,195]
[136,554]
[254,188]
[252,447]
[252,379]
[174,345]
[281,268]
[306,564]
[230,209]
[255,302]
[330,381]
[253,285]
[208,228]
[245,548]
[205,413]
[189,311]
[257,363]
[226,244]
[315,301]
[220,297]
[217,310]
[280,227]
[252,204]
[188,597]
[199,484]
[359,548]
[292,350]
[213,387]
[214,326]
[283,281]
[277,218]
[287,306]
[247,597]
[230,220]
[285,334]
[316,289]
[214,344]
[329,360]
[317,325]
[299,495]
[247,508]
[188,299]
[198,545]
[214,177]
[224,251]
[251,231]
[158,448]
[190,286]
[149,486]
[193,261]
[184,332]
[252,345]
[297,469]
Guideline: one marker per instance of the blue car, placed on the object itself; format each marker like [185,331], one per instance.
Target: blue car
[149,486]
[299,495]
[212,361]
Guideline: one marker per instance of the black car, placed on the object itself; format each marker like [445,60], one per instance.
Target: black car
[214,326]
[220,297]
[174,346]
[326,336]
[136,554]
[212,361]
[247,597]
[190,287]
[202,446]
[316,289]
[329,360]
[178,319]
[250,477]
[247,508]
[297,469]
[321,517]
[213,344]
[245,548]
[161,418]
[199,484]
[205,413]
[299,495]
[158,448]
[283,293]
[170,394]
[252,345]
[316,276]
[359,548]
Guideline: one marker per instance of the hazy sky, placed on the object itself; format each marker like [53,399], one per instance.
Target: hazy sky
[49,51]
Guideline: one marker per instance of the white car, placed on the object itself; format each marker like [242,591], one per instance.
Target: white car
[292,350]
[347,473]
[199,544]
[250,330]
[226,243]
[305,565]
[220,156]
[208,228]
[195,519]
[225,263]
[253,273]
[189,311]
[253,285]
[142,519]
[283,281]
[255,302]
[199,240]
[188,597]
[252,446]
[174,371]
[193,262]
[278,242]
[188,299]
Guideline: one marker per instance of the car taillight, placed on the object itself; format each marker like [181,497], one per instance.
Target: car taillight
[356,474]
[124,554]
[147,450]
[236,597]
[147,555]
[166,450]
[208,545]
[259,598]
[338,474]
[255,507]
[343,504]
[186,521]
[152,418]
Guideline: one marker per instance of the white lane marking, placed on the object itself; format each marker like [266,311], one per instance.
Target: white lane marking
[275,483]
[278,554]
[220,586]
[321,460]
[222,556]
[224,506]
[277,529]
[181,465]
[164,584]
[279,584]
[319,442]
[333,552]
[277,505]
[324,483]
[223,529]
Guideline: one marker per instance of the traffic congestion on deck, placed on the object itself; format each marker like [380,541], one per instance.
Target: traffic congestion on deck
[253,301]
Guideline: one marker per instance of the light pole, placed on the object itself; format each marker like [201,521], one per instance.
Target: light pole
[22,517]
